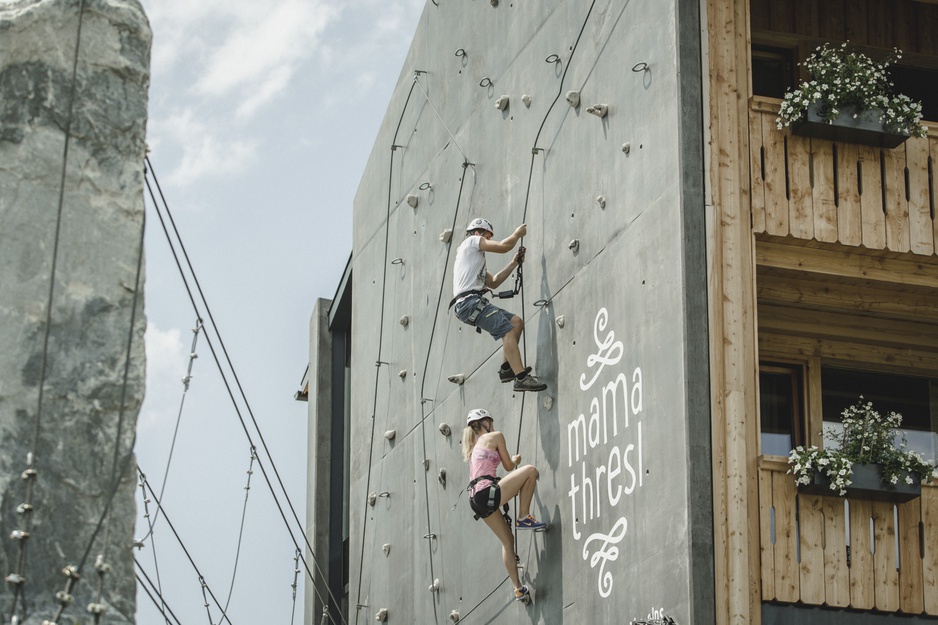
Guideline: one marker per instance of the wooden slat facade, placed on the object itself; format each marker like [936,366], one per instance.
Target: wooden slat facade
[835,192]
[874,575]
[821,253]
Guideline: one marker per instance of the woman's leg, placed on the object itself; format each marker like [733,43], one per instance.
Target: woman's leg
[501,529]
[521,482]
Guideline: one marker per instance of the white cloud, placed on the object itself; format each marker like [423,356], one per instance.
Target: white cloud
[206,149]
[276,38]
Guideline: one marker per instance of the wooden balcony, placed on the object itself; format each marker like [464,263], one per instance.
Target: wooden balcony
[891,564]
[839,192]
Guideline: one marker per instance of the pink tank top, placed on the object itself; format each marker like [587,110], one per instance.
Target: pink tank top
[482,462]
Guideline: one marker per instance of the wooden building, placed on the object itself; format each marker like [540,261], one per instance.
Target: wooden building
[824,276]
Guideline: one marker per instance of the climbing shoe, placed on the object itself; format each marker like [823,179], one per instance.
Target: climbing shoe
[507,375]
[530,523]
[523,595]
[529,383]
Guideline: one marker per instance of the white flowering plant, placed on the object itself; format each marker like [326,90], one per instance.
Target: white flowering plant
[867,437]
[839,79]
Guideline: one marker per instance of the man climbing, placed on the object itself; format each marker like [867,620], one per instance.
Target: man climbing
[471,280]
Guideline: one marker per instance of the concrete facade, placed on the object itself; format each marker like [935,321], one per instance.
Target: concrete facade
[615,324]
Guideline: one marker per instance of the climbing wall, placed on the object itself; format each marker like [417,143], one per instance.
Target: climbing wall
[482,124]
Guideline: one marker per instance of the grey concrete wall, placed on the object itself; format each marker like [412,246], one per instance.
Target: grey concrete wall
[82,437]
[617,434]
[319,434]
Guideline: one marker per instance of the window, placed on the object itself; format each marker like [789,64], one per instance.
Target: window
[772,71]
[920,84]
[914,397]
[780,407]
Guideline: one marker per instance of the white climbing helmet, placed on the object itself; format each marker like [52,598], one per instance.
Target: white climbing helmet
[479,224]
[477,415]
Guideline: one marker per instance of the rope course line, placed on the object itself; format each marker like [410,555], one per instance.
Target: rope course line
[224,377]
[172,446]
[378,362]
[244,511]
[417,74]
[205,586]
[162,606]
[17,579]
[139,544]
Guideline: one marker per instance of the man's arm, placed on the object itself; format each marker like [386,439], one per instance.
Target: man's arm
[505,245]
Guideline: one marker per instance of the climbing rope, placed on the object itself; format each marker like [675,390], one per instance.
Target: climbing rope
[225,381]
[378,362]
[423,381]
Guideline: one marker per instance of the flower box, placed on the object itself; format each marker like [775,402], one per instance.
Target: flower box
[867,483]
[851,126]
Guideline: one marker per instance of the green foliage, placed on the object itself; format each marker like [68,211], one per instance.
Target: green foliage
[866,438]
[839,78]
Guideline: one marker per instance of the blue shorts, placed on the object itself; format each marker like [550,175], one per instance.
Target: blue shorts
[492,319]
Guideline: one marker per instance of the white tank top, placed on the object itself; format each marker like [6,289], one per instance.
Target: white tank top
[469,271]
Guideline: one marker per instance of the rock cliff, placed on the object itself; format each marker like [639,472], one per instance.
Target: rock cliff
[73,100]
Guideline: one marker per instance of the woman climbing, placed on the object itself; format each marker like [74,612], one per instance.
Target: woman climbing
[484,448]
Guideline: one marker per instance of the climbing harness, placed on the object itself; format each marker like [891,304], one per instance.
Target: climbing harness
[494,494]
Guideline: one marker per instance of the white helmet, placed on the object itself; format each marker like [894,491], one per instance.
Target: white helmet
[479,224]
[477,415]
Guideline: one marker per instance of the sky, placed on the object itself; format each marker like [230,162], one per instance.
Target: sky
[261,119]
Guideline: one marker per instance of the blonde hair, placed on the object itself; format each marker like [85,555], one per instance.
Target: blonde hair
[469,437]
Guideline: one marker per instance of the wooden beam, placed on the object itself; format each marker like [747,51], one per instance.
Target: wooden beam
[918,272]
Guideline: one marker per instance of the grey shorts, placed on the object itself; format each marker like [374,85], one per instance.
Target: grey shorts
[492,319]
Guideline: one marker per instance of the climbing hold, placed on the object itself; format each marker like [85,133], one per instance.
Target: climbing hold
[442,478]
[386,548]
[560,321]
[382,615]
[486,82]
[435,586]
[426,464]
[412,200]
[548,402]
[599,110]
[446,235]
[601,200]
[425,186]
[454,616]
[372,498]
[574,245]
[460,52]
[405,320]
[573,97]
[457,378]
[640,67]
[494,3]
[445,429]
[526,99]
[390,434]
[502,103]
[402,373]
[626,147]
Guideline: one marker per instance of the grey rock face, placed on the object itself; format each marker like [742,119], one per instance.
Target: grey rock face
[81,430]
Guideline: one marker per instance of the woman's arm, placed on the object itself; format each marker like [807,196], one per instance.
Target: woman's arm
[509,462]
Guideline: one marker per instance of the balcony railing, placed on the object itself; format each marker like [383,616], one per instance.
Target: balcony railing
[841,192]
[864,555]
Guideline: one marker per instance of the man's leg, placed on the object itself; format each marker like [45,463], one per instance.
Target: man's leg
[511,352]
